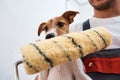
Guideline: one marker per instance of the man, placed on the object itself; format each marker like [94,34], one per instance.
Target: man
[107,14]
[104,65]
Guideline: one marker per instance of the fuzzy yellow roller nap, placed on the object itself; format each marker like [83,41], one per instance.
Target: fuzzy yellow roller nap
[45,54]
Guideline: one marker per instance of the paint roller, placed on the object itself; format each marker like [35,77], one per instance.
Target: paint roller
[46,54]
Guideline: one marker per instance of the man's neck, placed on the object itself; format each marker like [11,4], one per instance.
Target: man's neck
[106,13]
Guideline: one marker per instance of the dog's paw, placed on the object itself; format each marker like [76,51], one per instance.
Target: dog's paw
[37,40]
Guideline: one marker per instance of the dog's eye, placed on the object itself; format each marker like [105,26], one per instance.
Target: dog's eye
[46,28]
[60,24]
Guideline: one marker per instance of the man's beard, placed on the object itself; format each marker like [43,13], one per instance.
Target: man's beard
[104,6]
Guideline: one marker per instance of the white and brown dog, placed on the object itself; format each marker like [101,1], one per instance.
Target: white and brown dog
[57,26]
[73,70]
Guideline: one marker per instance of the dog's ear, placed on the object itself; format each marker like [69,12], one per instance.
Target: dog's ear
[69,16]
[41,27]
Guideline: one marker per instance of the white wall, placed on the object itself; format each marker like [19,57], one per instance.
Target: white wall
[19,20]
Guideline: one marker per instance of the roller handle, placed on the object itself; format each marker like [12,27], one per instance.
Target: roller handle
[16,71]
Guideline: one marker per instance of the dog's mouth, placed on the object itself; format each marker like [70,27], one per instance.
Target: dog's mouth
[51,35]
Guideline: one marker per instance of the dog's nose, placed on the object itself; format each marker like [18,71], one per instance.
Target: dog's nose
[50,35]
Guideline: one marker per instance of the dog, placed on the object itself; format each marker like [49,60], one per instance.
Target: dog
[58,25]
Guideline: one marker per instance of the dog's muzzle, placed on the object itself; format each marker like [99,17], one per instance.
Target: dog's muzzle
[51,35]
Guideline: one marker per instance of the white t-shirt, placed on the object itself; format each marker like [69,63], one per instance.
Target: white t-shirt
[111,24]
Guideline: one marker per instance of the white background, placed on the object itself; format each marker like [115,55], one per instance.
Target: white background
[19,21]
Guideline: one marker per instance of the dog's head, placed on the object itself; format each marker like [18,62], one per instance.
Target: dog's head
[57,26]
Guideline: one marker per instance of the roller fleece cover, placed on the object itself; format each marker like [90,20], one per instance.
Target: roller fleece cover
[48,53]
